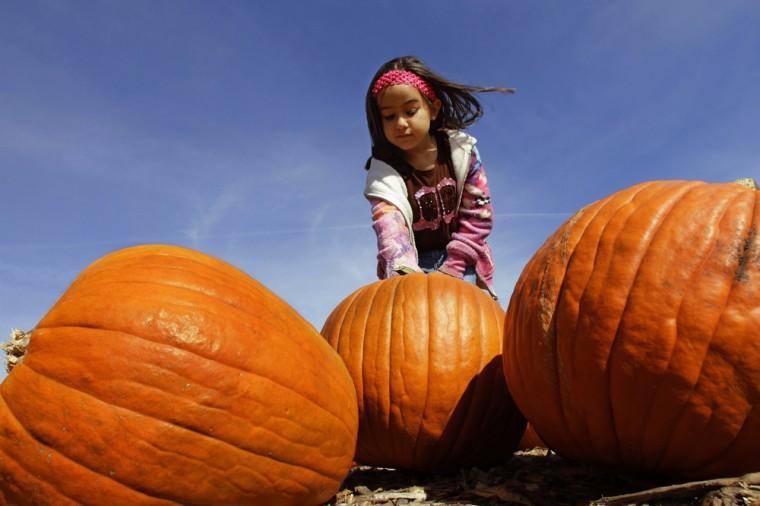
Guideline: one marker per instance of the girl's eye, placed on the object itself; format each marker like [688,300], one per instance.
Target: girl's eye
[411,112]
[389,118]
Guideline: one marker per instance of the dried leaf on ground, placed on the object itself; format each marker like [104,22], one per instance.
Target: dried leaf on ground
[537,477]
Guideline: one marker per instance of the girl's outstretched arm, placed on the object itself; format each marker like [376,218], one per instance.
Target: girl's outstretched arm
[395,253]
[468,244]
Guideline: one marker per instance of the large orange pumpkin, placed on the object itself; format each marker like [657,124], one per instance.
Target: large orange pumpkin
[165,376]
[424,352]
[633,334]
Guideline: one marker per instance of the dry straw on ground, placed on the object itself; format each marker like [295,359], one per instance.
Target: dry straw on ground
[538,477]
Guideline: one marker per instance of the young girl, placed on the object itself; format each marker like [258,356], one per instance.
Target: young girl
[431,207]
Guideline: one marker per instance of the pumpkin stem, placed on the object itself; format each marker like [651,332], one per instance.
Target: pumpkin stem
[749,182]
[15,348]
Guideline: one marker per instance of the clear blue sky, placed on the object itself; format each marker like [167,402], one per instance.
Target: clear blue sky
[237,127]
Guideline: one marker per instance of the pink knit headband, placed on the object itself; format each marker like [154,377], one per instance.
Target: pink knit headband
[393,77]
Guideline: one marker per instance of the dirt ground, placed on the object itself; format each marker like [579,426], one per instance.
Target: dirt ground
[538,477]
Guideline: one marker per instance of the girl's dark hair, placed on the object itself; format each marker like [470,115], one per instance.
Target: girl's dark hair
[459,109]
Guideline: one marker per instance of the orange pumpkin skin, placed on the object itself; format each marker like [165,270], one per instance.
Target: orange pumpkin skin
[631,337]
[424,352]
[166,376]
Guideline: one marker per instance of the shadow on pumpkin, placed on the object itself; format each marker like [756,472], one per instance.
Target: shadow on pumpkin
[484,427]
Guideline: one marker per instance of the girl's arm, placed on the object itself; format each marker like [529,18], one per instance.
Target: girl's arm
[468,244]
[395,253]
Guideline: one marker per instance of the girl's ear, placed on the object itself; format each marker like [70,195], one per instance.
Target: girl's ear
[435,108]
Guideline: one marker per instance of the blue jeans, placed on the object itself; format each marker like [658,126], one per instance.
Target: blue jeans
[431,260]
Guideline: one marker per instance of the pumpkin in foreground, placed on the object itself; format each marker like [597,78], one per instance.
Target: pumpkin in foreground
[424,351]
[632,336]
[164,376]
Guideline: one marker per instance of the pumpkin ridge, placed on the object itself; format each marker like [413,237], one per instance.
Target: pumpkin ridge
[654,231]
[61,492]
[657,189]
[481,366]
[389,338]
[347,317]
[460,340]
[694,387]
[5,459]
[232,366]
[750,234]
[228,274]
[237,486]
[163,297]
[719,456]
[88,292]
[648,412]
[431,313]
[481,323]
[582,420]
[568,259]
[186,427]
[609,208]
[158,494]
[162,450]
[655,227]
[604,206]
[338,321]
[489,390]
[369,294]
[152,362]
[237,444]
[20,463]
[497,382]
[456,448]
[451,451]
[9,410]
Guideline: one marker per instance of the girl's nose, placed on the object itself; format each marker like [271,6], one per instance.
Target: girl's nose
[402,123]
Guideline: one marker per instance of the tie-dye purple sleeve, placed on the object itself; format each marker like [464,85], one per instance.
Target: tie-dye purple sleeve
[395,253]
[468,244]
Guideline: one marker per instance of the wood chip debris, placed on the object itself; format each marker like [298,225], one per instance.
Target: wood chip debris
[538,477]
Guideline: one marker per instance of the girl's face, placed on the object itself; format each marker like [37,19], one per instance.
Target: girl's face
[406,117]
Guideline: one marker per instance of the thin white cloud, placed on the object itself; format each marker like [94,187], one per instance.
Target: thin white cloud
[632,30]
[682,22]
[189,234]
[530,215]
[203,224]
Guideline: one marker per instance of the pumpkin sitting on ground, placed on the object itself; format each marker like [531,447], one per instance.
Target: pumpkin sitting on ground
[164,376]
[632,336]
[424,351]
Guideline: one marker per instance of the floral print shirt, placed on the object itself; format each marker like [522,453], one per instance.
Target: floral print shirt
[397,253]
